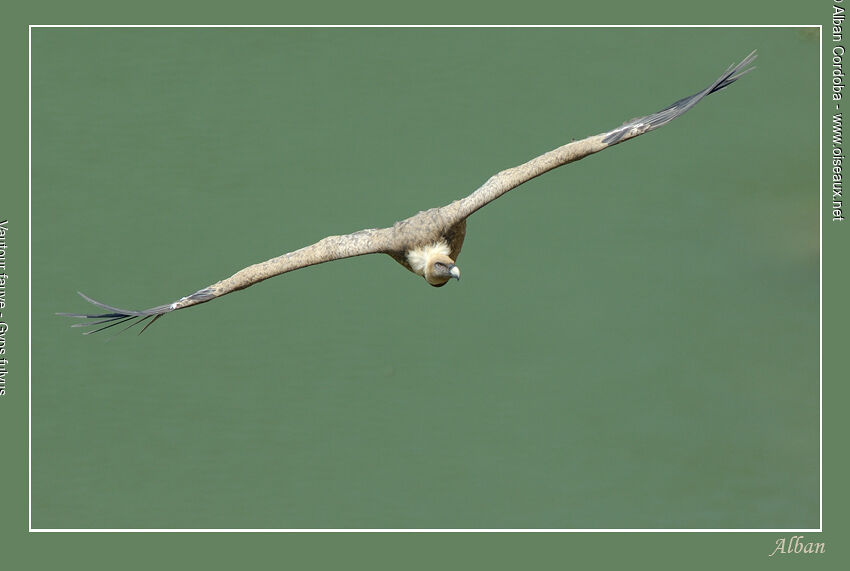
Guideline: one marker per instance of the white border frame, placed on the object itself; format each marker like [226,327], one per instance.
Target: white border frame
[426,530]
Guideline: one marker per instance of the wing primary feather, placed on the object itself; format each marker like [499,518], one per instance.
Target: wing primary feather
[116,317]
[85,324]
[118,310]
[117,322]
[647,123]
[142,320]
[151,322]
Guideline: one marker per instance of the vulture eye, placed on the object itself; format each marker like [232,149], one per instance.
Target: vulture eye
[439,265]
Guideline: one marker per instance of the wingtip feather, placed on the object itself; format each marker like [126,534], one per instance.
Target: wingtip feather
[116,316]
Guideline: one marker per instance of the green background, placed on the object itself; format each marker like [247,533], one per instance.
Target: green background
[411,550]
[634,343]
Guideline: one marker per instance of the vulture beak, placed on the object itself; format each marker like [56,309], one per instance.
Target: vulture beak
[455,272]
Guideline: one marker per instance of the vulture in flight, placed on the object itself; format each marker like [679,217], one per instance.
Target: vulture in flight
[428,243]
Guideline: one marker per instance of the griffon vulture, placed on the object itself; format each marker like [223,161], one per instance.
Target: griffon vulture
[428,243]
